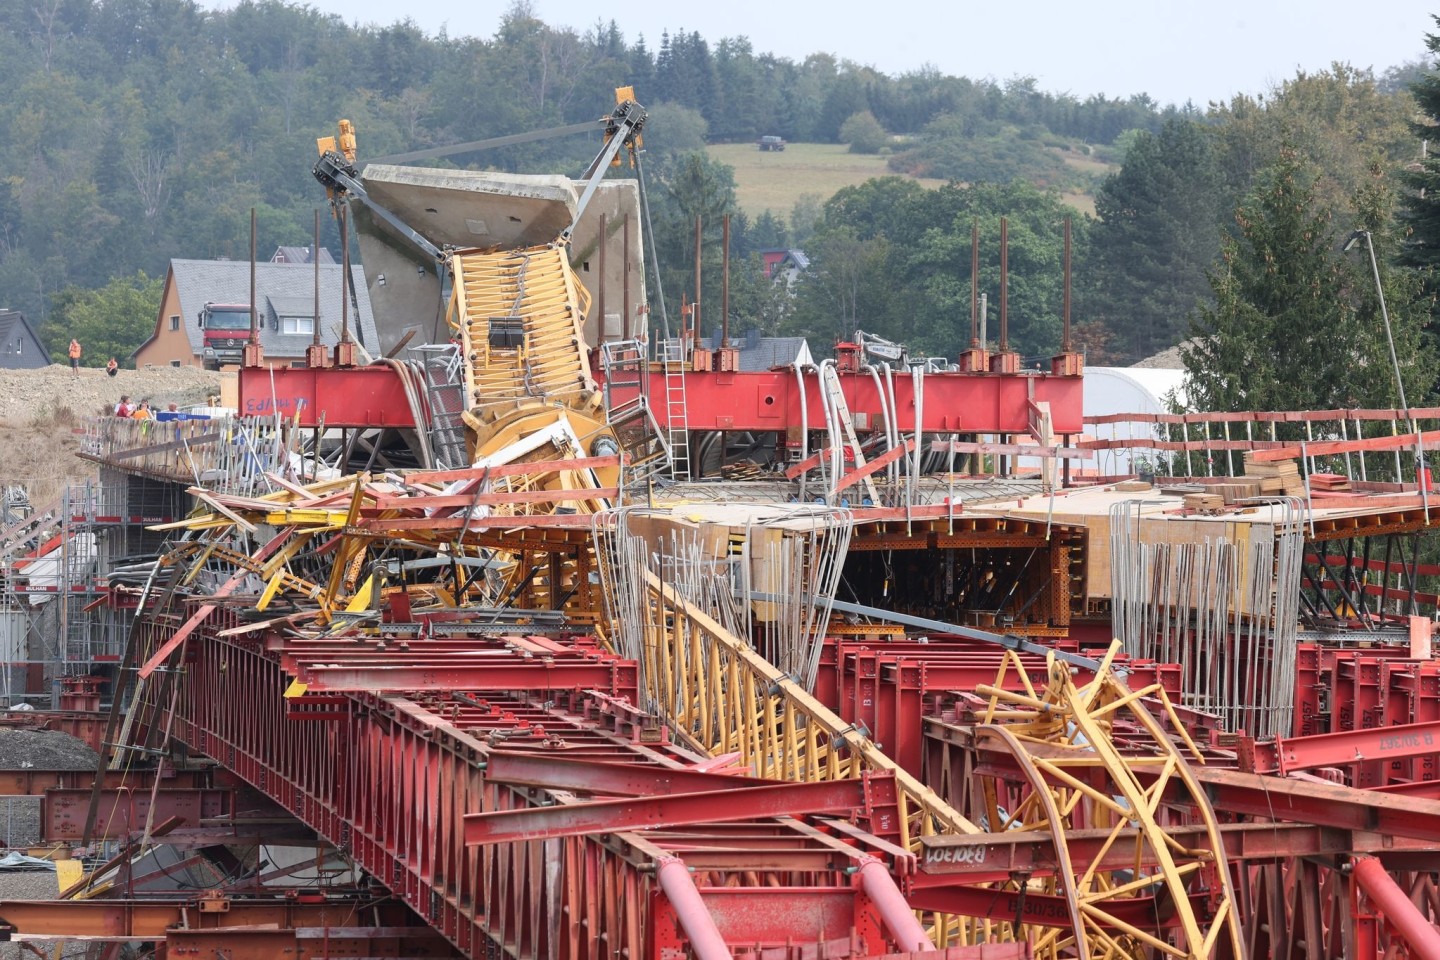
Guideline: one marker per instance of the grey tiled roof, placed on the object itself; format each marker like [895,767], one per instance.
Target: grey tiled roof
[762,353]
[299,255]
[282,289]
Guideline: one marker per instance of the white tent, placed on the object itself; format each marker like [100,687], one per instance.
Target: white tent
[1111,390]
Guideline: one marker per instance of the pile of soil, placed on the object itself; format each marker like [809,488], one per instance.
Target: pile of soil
[43,414]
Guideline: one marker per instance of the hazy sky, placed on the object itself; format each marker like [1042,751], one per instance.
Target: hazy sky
[1172,51]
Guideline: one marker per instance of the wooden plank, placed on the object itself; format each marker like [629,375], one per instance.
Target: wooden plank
[511,469]
[448,501]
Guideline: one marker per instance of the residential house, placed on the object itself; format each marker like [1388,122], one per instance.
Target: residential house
[786,264]
[285,295]
[20,348]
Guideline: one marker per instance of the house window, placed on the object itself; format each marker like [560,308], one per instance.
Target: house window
[297,325]
[175,321]
[174,363]
[297,364]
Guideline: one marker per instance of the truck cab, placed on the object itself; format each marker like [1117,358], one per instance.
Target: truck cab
[226,330]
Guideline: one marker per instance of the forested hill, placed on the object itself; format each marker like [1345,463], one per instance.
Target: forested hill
[132,131]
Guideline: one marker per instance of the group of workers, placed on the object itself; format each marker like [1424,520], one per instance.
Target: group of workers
[111,368]
[142,411]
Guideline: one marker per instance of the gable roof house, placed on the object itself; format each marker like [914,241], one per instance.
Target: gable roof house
[20,347]
[285,298]
[784,264]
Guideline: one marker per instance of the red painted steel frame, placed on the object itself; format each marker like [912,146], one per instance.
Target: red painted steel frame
[389,777]
[762,401]
[1287,755]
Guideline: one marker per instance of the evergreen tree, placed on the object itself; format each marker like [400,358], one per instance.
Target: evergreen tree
[1295,324]
[1158,232]
[1420,208]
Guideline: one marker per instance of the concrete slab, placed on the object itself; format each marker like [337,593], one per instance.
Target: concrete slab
[464,208]
[474,208]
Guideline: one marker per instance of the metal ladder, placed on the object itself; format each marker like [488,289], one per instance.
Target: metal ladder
[677,432]
[623,362]
[835,395]
[445,394]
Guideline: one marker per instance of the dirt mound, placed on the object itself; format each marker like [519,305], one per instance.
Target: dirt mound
[43,414]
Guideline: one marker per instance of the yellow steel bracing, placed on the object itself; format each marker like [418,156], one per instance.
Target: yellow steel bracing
[519,315]
[1062,739]
[726,698]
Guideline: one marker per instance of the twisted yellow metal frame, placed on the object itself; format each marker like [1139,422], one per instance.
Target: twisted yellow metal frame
[1062,739]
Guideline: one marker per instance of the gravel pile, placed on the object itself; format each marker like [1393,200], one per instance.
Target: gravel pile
[35,750]
[44,750]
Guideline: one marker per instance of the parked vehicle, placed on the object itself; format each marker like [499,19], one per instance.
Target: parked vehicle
[226,329]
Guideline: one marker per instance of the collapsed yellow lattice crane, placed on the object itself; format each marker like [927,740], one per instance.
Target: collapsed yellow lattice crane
[518,317]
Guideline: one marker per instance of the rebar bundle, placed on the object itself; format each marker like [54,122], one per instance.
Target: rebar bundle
[800,559]
[1224,607]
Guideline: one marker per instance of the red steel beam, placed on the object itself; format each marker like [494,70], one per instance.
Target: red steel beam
[874,466]
[1286,755]
[716,400]
[681,809]
[1399,911]
[617,678]
[112,919]
[35,782]
[1047,911]
[1259,795]
[994,857]
[308,943]
[125,811]
[613,779]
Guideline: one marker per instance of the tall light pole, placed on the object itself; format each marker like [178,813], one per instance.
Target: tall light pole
[1420,477]
[1350,244]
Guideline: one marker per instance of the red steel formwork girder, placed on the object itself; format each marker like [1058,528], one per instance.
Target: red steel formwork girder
[389,775]
[248,928]
[1345,748]
[716,400]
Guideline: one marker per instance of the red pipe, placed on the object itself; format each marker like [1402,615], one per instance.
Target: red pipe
[896,914]
[705,940]
[1399,912]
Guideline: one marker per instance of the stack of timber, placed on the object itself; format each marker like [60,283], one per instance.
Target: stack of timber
[1280,477]
[1205,502]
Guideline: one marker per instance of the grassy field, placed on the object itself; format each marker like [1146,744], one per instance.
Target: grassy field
[774,181]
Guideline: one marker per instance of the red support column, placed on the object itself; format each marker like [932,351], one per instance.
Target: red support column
[705,940]
[1399,912]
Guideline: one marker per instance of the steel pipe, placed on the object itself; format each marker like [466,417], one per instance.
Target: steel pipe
[1399,911]
[895,912]
[705,940]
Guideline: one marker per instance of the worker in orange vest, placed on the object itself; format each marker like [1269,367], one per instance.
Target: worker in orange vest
[75,356]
